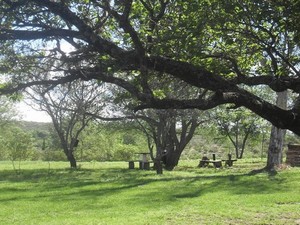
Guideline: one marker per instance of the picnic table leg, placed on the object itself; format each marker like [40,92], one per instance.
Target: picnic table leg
[146,165]
[229,162]
[218,164]
[131,164]
[141,165]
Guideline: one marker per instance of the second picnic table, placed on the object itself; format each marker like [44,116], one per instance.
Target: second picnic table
[217,163]
[144,163]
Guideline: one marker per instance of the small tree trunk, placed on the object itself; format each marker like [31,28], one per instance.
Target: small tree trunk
[241,154]
[237,152]
[237,143]
[72,161]
[69,153]
[71,158]
[247,132]
[158,166]
[13,163]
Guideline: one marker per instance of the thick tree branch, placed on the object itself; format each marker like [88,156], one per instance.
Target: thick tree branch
[278,84]
[262,108]
[8,34]
[10,88]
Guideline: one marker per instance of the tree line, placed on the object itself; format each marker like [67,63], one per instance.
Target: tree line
[122,139]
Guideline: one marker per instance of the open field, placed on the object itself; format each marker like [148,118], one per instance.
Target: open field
[109,193]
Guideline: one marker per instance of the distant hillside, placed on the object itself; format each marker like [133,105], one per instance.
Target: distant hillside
[35,126]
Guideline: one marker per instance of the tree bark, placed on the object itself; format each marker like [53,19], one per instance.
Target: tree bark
[72,161]
[275,148]
[277,137]
[158,166]
[172,159]
[247,133]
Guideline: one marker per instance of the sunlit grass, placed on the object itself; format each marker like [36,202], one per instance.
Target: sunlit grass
[109,193]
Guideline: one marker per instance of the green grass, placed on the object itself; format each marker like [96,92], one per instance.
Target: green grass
[109,193]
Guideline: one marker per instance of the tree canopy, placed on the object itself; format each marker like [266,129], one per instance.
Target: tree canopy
[219,47]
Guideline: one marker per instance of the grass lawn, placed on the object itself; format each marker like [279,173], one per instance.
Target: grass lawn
[109,193]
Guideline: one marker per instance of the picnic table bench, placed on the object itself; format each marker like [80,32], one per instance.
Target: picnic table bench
[229,161]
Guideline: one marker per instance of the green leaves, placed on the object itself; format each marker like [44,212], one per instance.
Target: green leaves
[18,144]
[159,94]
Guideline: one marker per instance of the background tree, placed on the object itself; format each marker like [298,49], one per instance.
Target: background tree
[170,131]
[18,145]
[108,141]
[68,105]
[8,116]
[238,125]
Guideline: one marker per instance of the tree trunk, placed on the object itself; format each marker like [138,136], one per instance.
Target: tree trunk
[235,144]
[172,159]
[247,132]
[158,159]
[277,137]
[275,148]
[158,166]
[69,153]
[70,156]
[72,161]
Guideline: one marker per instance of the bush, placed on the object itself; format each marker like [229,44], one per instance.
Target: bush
[53,155]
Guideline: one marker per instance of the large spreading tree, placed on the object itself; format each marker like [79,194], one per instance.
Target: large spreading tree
[223,47]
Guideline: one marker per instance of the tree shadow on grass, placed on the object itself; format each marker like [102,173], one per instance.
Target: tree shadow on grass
[270,172]
[145,186]
[140,186]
